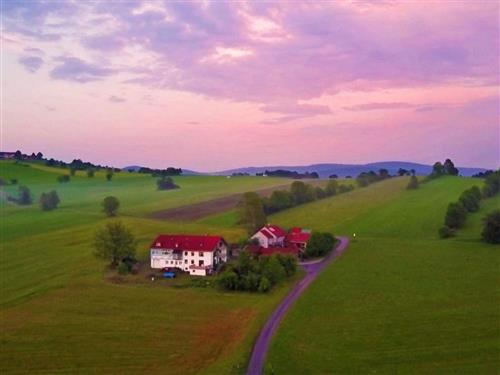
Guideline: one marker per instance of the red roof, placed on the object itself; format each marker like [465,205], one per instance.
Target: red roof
[275,230]
[186,242]
[296,230]
[266,233]
[268,251]
[301,237]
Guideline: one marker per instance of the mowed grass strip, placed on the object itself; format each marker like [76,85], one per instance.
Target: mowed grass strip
[400,300]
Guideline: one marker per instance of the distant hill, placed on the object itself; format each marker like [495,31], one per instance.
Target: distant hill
[342,170]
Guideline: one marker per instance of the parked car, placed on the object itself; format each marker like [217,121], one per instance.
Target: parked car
[169,275]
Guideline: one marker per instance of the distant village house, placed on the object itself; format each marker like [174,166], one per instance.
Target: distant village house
[272,239]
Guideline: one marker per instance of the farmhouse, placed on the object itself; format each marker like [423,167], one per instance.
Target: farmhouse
[298,237]
[197,254]
[270,236]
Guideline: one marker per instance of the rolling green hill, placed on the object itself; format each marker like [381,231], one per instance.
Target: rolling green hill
[400,300]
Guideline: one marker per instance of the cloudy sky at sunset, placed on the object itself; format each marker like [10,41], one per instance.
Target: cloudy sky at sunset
[214,85]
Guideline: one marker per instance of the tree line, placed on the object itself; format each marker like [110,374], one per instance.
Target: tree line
[469,201]
[291,174]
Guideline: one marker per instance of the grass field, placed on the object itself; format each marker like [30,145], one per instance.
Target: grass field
[400,300]
[58,314]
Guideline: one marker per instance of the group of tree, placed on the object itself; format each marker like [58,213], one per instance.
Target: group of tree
[368,178]
[24,196]
[447,169]
[116,244]
[468,202]
[405,172]
[49,201]
[320,244]
[18,155]
[483,174]
[240,174]
[251,212]
[256,274]
[301,193]
[170,171]
[166,183]
[291,174]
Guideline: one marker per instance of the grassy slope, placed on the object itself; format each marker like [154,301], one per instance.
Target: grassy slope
[58,314]
[400,300]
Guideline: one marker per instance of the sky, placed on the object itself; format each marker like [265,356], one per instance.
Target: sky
[216,85]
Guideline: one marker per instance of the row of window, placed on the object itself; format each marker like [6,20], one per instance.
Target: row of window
[165,252]
[200,262]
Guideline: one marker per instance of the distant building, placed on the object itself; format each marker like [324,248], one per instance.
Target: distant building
[270,236]
[298,237]
[197,254]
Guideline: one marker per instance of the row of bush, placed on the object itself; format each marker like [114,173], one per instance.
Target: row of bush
[300,193]
[256,274]
[469,201]
[368,178]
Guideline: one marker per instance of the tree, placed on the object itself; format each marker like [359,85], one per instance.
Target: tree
[469,200]
[251,210]
[491,229]
[109,174]
[39,156]
[331,188]
[319,244]
[446,232]
[90,172]
[299,192]
[114,243]
[492,184]
[49,201]
[72,171]
[273,270]
[63,178]
[18,155]
[110,206]
[383,173]
[437,169]
[166,183]
[24,196]
[413,183]
[402,172]
[455,215]
[319,193]
[449,168]
[279,200]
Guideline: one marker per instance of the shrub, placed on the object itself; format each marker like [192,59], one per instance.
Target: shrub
[228,280]
[114,242]
[109,175]
[90,173]
[72,171]
[345,188]
[63,178]
[469,200]
[289,264]
[264,285]
[491,229]
[319,244]
[446,232]
[110,206]
[49,201]
[413,183]
[24,196]
[272,269]
[166,183]
[331,187]
[13,181]
[455,215]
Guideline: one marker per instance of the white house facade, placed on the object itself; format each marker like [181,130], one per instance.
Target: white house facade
[270,236]
[197,254]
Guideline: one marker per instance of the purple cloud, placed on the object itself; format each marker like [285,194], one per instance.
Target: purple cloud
[74,69]
[31,63]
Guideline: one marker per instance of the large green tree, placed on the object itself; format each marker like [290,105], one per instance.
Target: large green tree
[114,243]
[491,230]
[251,210]
[110,206]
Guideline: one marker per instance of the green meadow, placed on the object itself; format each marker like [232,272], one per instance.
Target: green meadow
[400,300]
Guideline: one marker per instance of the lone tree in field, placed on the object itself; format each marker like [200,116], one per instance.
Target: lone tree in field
[491,230]
[166,183]
[24,196]
[252,215]
[49,201]
[413,184]
[109,174]
[114,243]
[110,206]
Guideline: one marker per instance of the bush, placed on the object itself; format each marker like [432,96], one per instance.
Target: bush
[491,229]
[228,280]
[319,244]
[72,171]
[446,232]
[109,175]
[413,183]
[289,264]
[123,268]
[331,188]
[166,183]
[345,188]
[469,200]
[264,285]
[49,201]
[110,206]
[24,196]
[90,173]
[13,181]
[63,178]
[455,215]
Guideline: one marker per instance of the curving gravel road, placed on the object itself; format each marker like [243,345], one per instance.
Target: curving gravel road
[256,364]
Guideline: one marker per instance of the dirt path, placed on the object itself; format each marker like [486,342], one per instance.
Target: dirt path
[196,211]
[256,364]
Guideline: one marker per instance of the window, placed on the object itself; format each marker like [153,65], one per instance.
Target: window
[192,261]
[192,253]
[185,253]
[185,261]
[201,263]
[200,253]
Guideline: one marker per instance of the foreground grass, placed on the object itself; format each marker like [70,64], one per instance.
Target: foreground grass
[400,300]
